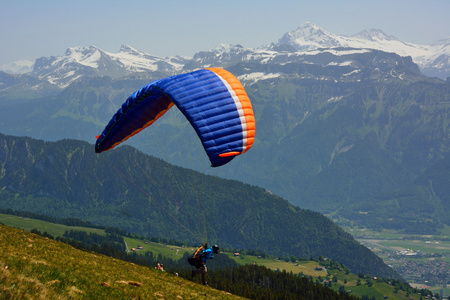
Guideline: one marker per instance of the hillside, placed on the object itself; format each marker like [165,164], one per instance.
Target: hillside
[432,186]
[141,194]
[33,267]
[244,280]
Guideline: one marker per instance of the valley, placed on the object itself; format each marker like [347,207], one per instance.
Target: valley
[422,260]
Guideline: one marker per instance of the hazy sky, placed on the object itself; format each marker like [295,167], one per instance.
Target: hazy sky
[34,28]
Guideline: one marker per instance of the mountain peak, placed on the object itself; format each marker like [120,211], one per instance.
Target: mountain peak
[375,35]
[87,56]
[309,36]
[22,66]
[225,47]
[81,49]
[309,30]
[130,50]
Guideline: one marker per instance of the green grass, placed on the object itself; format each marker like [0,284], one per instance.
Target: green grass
[390,234]
[176,252]
[378,290]
[173,252]
[33,267]
[308,268]
[424,246]
[42,226]
[420,245]
[170,251]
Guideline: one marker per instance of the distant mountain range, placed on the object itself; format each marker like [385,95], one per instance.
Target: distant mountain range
[347,130]
[433,60]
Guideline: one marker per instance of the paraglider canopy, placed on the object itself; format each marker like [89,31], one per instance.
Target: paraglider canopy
[213,100]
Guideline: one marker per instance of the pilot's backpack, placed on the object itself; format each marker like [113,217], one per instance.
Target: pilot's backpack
[196,258]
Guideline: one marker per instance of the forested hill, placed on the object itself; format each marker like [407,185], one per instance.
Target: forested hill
[127,189]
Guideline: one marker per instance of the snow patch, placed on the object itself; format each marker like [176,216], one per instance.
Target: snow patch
[335,99]
[257,76]
[341,64]
[351,73]
[86,56]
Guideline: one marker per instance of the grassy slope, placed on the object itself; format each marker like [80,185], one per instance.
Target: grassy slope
[173,252]
[43,226]
[379,290]
[33,267]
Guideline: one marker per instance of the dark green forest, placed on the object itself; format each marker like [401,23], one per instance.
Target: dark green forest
[141,194]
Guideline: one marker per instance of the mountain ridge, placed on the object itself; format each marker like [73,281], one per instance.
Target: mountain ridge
[432,59]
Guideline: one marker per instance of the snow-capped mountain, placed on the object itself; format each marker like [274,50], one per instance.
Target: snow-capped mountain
[92,61]
[18,67]
[310,37]
[306,44]
[82,62]
[433,60]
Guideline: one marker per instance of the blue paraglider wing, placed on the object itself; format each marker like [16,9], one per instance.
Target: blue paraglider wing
[213,100]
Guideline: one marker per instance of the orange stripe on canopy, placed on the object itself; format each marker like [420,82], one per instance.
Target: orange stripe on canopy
[246,107]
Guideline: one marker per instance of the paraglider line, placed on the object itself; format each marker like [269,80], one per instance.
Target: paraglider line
[156,203]
[205,231]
